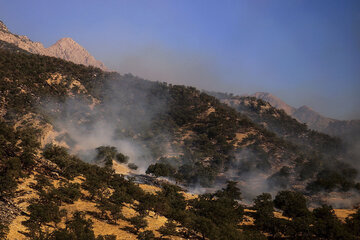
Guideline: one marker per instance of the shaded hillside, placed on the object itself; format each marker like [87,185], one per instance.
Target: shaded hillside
[278,121]
[348,130]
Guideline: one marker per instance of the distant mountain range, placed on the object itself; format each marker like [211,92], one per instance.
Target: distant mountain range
[304,114]
[65,48]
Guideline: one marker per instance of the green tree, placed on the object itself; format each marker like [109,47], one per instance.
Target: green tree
[160,170]
[3,231]
[121,158]
[138,222]
[293,204]
[40,214]
[327,225]
[353,223]
[146,235]
[106,154]
[78,228]
[168,229]
[264,215]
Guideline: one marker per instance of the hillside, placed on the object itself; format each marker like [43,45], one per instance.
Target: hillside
[63,125]
[348,130]
[205,141]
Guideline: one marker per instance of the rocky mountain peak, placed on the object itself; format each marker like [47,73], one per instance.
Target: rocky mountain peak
[68,49]
[3,27]
[65,48]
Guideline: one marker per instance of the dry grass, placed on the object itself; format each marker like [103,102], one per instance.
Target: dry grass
[155,222]
[149,188]
[104,228]
[342,214]
[120,168]
[16,227]
[189,196]
[25,194]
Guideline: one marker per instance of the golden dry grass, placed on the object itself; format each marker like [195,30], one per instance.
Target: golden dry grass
[342,214]
[25,194]
[149,188]
[247,220]
[155,222]
[120,168]
[16,227]
[189,196]
[104,228]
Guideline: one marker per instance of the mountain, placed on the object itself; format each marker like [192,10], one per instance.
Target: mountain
[278,121]
[65,48]
[349,130]
[274,101]
[313,119]
[303,114]
[77,145]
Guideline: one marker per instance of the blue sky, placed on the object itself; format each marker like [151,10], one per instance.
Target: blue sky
[304,51]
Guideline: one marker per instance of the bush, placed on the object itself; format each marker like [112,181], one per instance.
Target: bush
[121,158]
[146,235]
[138,222]
[293,204]
[160,170]
[132,166]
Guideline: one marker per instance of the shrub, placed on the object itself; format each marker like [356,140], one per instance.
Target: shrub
[132,166]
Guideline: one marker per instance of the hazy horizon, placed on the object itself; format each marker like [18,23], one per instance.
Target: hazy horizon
[304,52]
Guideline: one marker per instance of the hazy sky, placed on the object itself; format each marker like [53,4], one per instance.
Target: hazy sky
[306,52]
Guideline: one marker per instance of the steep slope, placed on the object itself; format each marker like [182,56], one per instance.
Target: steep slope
[65,48]
[313,119]
[69,50]
[177,124]
[275,102]
[278,121]
[320,150]
[347,130]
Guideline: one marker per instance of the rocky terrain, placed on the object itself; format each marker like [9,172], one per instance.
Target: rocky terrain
[65,48]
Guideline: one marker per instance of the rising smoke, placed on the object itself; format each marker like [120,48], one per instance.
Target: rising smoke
[124,118]
[125,114]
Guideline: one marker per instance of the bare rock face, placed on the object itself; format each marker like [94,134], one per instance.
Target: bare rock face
[69,50]
[65,48]
[3,27]
[22,42]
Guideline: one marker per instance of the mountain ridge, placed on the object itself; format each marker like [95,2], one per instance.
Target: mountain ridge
[65,48]
[313,119]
